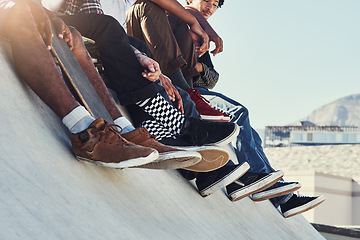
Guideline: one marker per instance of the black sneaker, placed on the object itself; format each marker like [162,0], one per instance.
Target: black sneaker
[199,132]
[251,183]
[188,175]
[209,182]
[299,204]
[278,189]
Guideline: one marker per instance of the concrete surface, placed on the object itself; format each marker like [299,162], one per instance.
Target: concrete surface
[46,194]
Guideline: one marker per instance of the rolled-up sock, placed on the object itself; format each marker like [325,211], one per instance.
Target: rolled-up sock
[125,124]
[78,120]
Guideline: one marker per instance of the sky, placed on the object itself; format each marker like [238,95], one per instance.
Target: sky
[283,59]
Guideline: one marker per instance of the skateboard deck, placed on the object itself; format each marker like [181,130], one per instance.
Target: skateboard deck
[78,80]
[212,158]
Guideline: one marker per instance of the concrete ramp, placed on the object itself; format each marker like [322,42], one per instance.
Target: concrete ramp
[46,194]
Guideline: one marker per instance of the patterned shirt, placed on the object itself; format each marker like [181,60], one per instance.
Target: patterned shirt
[72,7]
[210,76]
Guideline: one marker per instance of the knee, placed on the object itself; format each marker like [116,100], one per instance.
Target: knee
[79,49]
[20,21]
[109,23]
[109,26]
[111,32]
[77,39]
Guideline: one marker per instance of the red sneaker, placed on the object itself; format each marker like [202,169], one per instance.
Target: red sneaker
[206,112]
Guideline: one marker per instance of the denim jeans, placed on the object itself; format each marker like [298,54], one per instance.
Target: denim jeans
[248,143]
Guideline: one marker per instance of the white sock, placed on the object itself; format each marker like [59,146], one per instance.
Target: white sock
[78,120]
[125,124]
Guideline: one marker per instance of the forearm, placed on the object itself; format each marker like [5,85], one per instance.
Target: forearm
[201,20]
[137,53]
[174,7]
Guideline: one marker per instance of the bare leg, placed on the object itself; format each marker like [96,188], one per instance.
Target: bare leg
[86,63]
[34,63]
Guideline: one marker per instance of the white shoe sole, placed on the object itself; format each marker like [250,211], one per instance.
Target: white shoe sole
[228,139]
[125,163]
[212,158]
[215,118]
[231,177]
[174,160]
[257,186]
[303,208]
[271,193]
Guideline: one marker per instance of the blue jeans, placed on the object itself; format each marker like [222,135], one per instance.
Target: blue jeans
[248,143]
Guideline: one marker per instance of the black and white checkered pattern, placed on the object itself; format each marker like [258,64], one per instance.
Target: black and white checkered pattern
[154,128]
[164,113]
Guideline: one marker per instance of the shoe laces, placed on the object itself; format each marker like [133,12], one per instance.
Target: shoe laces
[199,96]
[153,136]
[111,128]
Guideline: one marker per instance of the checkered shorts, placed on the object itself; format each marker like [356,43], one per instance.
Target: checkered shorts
[164,113]
[154,128]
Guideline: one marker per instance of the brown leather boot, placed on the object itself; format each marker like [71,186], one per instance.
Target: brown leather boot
[103,145]
[169,157]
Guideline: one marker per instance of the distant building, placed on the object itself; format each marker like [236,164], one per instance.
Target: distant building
[309,133]
[342,204]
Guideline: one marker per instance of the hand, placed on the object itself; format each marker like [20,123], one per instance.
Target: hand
[200,39]
[218,43]
[199,67]
[42,22]
[213,36]
[62,31]
[172,93]
[151,68]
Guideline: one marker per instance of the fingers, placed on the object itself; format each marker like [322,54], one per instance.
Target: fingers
[178,101]
[149,76]
[68,38]
[216,51]
[155,68]
[219,46]
[151,69]
[205,45]
[63,32]
[170,93]
[47,33]
[169,88]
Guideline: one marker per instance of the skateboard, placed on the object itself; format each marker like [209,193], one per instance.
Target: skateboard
[212,157]
[78,80]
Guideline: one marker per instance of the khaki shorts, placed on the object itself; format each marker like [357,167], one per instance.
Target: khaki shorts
[5,6]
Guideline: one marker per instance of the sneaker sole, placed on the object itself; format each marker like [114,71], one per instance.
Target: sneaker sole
[215,118]
[125,163]
[257,186]
[228,139]
[173,160]
[212,158]
[280,191]
[310,205]
[226,180]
